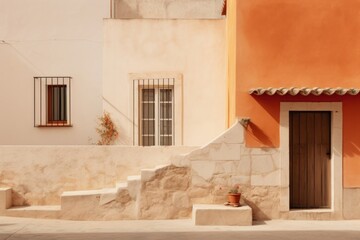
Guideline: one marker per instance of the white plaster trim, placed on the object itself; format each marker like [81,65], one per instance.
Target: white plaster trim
[336,150]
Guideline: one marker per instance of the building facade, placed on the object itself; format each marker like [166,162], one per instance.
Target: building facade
[294,73]
[59,43]
[164,78]
[280,75]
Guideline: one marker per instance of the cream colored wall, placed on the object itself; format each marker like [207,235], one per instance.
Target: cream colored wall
[39,174]
[184,9]
[50,38]
[194,48]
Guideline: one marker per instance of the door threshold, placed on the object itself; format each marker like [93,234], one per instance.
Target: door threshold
[309,214]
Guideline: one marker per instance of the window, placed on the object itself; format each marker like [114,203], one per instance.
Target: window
[56,104]
[156,121]
[157,109]
[52,102]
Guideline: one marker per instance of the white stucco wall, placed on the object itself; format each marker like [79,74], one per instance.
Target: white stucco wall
[50,38]
[196,49]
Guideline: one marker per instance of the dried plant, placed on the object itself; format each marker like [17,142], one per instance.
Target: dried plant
[235,189]
[107,130]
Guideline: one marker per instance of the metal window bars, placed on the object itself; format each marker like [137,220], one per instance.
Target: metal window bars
[52,101]
[154,115]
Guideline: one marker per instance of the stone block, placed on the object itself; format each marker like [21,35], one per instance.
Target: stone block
[180,160]
[351,203]
[134,185]
[244,166]
[47,212]
[198,192]
[262,164]
[242,180]
[224,152]
[181,200]
[204,169]
[217,151]
[147,174]
[80,200]
[234,134]
[5,198]
[108,196]
[197,181]
[211,214]
[264,151]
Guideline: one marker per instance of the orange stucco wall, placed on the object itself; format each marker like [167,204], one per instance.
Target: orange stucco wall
[285,43]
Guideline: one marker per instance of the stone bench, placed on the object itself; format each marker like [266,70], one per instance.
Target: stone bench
[211,214]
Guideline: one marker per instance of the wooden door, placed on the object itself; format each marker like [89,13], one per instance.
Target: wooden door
[310,159]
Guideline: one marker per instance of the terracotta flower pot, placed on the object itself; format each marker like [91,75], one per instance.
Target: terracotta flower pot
[234,198]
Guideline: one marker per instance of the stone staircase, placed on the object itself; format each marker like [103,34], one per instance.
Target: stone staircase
[120,202]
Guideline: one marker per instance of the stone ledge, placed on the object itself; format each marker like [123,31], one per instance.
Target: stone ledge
[211,214]
[82,193]
[5,198]
[47,212]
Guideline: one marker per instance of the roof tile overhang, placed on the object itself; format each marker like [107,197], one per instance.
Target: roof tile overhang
[305,91]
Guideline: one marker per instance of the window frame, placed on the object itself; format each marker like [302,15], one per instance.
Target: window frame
[151,80]
[157,116]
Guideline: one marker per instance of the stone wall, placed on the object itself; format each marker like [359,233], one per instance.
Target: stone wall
[39,174]
[165,196]
[190,176]
[226,162]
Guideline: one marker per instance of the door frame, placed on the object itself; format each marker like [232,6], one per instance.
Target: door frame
[336,151]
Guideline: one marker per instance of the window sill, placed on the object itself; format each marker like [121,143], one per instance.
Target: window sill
[55,125]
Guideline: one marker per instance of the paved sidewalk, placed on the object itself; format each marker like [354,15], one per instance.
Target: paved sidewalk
[23,228]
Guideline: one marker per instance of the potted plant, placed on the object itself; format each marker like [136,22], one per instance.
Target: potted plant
[234,196]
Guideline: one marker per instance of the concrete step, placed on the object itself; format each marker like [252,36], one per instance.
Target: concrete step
[50,212]
[148,173]
[121,185]
[134,185]
[78,204]
[213,214]
[87,192]
[102,196]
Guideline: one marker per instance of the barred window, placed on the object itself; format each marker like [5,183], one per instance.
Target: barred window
[157,109]
[156,113]
[52,101]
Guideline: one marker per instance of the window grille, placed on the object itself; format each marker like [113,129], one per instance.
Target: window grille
[52,101]
[156,111]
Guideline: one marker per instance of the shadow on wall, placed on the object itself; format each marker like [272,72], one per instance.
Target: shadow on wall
[256,211]
[264,115]
[352,149]
[351,126]
[253,131]
[124,10]
[18,198]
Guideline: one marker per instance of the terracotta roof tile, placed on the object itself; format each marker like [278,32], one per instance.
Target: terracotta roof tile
[304,91]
